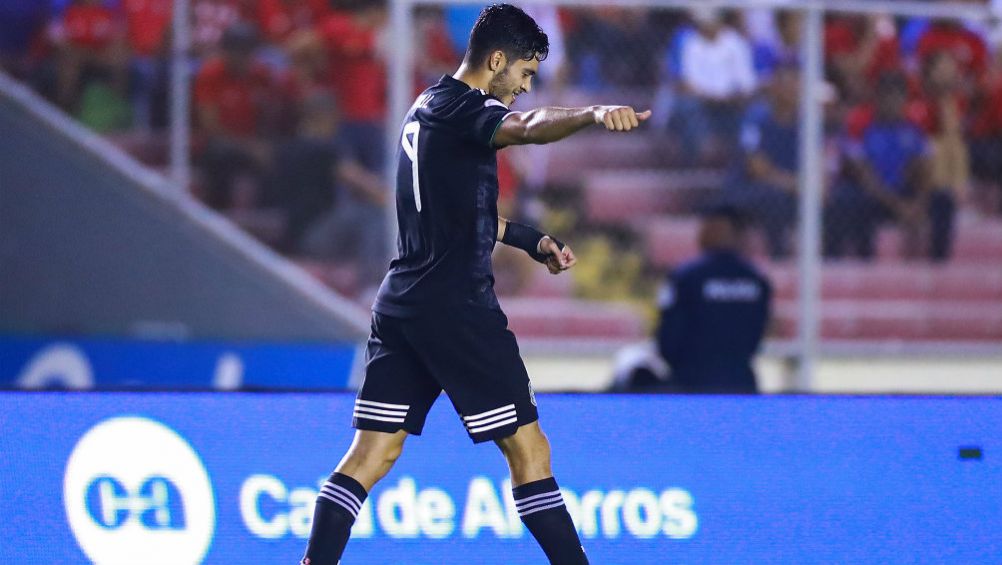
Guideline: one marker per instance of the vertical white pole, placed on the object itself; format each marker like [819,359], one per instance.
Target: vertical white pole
[180,93]
[401,72]
[810,182]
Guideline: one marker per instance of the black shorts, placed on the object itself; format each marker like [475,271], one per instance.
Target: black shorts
[467,351]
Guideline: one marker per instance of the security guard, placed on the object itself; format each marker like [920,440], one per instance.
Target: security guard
[714,311]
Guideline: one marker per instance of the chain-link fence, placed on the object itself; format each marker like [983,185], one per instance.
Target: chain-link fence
[879,196]
[906,232]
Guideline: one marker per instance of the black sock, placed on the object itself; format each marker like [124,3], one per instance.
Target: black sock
[541,507]
[338,504]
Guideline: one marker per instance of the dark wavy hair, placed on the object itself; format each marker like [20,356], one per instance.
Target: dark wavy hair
[506,28]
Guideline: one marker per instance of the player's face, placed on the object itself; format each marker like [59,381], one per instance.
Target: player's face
[513,79]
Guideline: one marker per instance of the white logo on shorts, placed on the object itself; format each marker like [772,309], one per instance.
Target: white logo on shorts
[532,394]
[136,492]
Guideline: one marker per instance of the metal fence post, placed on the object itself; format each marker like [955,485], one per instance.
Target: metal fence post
[401,73]
[180,104]
[811,187]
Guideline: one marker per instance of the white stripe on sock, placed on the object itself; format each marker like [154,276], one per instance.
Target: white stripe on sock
[342,498]
[473,417]
[538,503]
[382,404]
[344,491]
[541,508]
[340,503]
[528,499]
[511,420]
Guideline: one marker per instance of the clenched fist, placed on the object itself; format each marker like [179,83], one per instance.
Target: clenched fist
[619,118]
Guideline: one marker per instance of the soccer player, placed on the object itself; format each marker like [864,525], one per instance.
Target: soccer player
[436,323]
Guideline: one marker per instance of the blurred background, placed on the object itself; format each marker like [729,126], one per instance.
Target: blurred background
[195,192]
[194,198]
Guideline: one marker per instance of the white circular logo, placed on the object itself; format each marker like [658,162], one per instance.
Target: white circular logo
[136,492]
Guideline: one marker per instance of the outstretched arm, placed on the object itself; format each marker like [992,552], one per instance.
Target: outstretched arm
[546,125]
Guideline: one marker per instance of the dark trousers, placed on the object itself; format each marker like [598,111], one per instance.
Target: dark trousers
[852,217]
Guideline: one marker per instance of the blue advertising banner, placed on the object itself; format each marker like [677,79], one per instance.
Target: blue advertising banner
[186,478]
[86,363]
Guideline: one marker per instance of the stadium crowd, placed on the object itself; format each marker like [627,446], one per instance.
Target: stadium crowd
[290,105]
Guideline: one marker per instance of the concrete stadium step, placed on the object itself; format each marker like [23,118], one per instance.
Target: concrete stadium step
[150,148]
[569,161]
[266,224]
[623,195]
[960,282]
[975,240]
[899,320]
[343,278]
[672,239]
[669,240]
[570,318]
[542,284]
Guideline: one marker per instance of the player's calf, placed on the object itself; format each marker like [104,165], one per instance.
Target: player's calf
[537,497]
[338,503]
[369,458]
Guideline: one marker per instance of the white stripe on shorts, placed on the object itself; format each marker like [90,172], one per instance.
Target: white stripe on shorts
[490,420]
[472,419]
[382,404]
[511,420]
[368,410]
[358,414]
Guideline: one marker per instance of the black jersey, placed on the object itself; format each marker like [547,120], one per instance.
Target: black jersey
[446,196]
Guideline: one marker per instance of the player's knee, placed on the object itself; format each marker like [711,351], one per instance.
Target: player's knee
[372,459]
[378,457]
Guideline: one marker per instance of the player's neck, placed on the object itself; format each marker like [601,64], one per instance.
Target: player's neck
[474,78]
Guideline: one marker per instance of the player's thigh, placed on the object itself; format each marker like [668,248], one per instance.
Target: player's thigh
[397,390]
[471,353]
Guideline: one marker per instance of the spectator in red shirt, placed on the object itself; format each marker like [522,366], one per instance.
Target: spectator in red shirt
[231,101]
[279,19]
[356,43]
[858,49]
[147,24]
[211,19]
[964,45]
[90,42]
[306,76]
[986,139]
[438,56]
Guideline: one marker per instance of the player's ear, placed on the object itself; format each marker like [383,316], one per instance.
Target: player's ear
[496,61]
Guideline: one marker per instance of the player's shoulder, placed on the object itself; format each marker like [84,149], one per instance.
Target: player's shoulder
[450,97]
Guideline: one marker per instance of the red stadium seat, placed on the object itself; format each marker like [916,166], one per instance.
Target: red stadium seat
[570,318]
